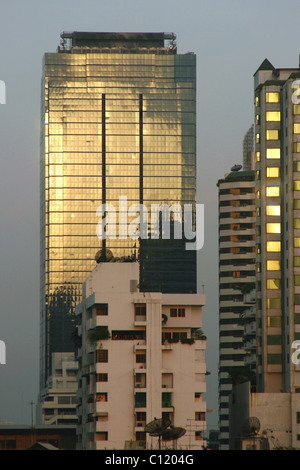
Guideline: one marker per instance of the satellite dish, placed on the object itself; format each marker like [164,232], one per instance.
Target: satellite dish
[157,426]
[251,426]
[173,433]
[236,168]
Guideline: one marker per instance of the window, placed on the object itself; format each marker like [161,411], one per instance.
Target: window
[274,340]
[297,299]
[296,128]
[296,147]
[177,312]
[273,153]
[198,396]
[274,303]
[274,321]
[273,265]
[141,357]
[296,204]
[101,397]
[296,223]
[297,242]
[272,134]
[297,280]
[102,436]
[273,172]
[101,309]
[273,116]
[200,416]
[140,400]
[101,377]
[272,97]
[296,260]
[272,191]
[273,284]
[273,210]
[296,166]
[273,228]
[166,398]
[257,138]
[274,358]
[274,247]
[140,310]
[102,355]
[258,156]
[296,185]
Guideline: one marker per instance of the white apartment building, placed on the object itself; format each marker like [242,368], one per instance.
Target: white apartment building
[142,358]
[57,402]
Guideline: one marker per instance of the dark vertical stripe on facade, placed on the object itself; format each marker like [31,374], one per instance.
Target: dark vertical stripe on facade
[103,159]
[141,147]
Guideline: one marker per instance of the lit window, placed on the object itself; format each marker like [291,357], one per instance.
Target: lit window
[274,321]
[272,134]
[272,210]
[296,185]
[297,128]
[272,191]
[273,303]
[296,108]
[296,147]
[297,242]
[257,101]
[296,260]
[273,265]
[272,97]
[274,247]
[273,153]
[273,284]
[273,172]
[273,228]
[297,280]
[296,204]
[258,156]
[273,116]
[257,138]
[296,166]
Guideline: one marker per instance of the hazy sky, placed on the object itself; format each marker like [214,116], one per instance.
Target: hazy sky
[230,37]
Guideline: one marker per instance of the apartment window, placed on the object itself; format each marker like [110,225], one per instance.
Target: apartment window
[296,128]
[296,204]
[274,321]
[101,377]
[166,398]
[296,166]
[273,210]
[274,358]
[297,318]
[296,109]
[296,147]
[273,153]
[272,97]
[177,312]
[273,172]
[297,280]
[296,260]
[101,397]
[101,310]
[273,284]
[102,436]
[272,191]
[273,228]
[257,101]
[102,355]
[198,396]
[297,299]
[258,156]
[273,116]
[273,247]
[297,242]
[273,265]
[140,400]
[274,303]
[257,138]
[141,357]
[200,416]
[274,340]
[296,185]
[198,436]
[272,134]
[140,310]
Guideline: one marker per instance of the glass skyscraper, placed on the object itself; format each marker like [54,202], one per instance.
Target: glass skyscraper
[118,120]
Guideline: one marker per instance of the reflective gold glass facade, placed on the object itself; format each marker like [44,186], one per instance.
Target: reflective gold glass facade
[113,124]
